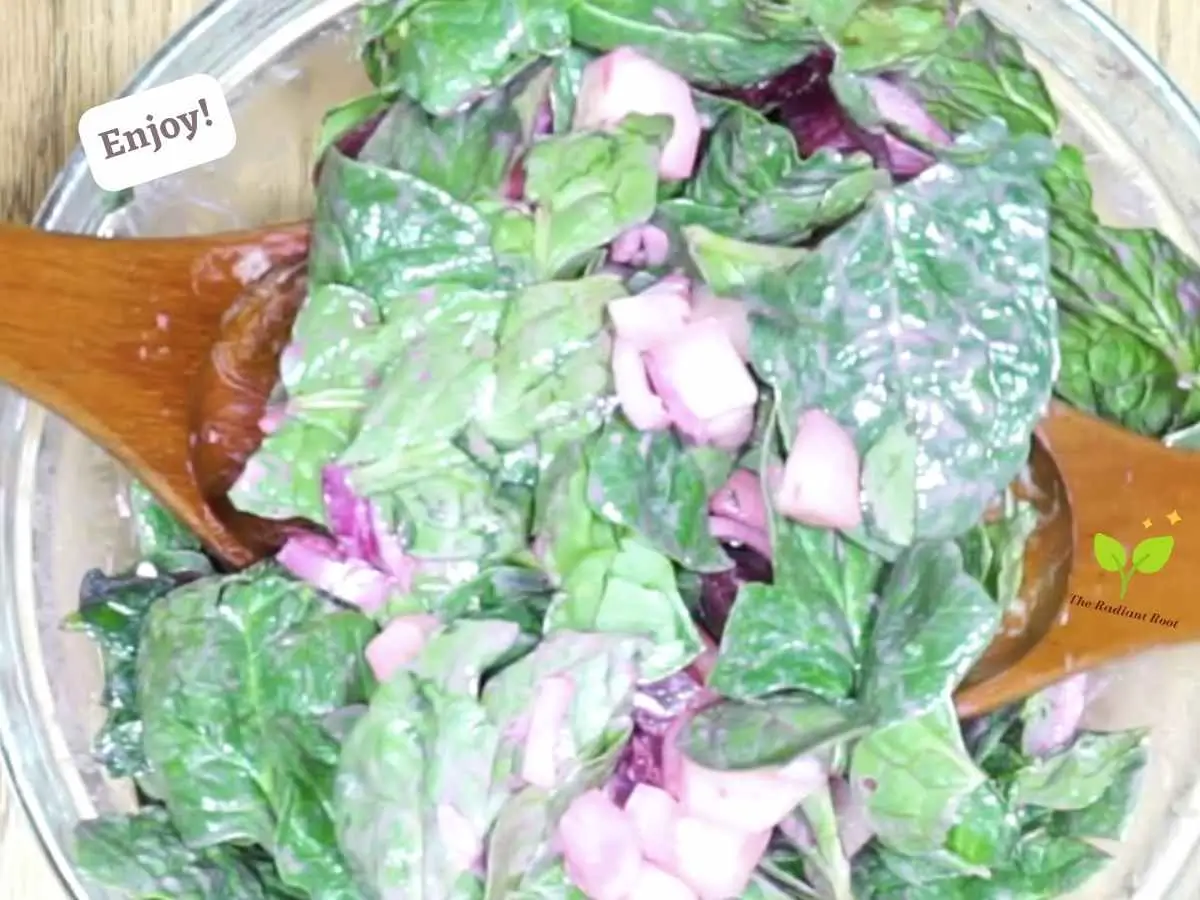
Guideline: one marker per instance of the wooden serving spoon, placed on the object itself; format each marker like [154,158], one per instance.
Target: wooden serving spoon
[164,351]
[1084,601]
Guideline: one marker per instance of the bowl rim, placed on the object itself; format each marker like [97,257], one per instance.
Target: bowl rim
[50,214]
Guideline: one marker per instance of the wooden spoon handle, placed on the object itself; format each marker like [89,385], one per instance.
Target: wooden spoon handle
[1132,588]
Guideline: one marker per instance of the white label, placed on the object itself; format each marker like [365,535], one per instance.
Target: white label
[157,132]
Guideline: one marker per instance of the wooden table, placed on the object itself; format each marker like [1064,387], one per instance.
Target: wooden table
[59,57]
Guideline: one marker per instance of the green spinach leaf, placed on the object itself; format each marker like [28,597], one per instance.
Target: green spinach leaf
[1131,296]
[552,376]
[143,856]
[521,855]
[736,735]
[825,862]
[507,593]
[443,342]
[912,777]
[649,483]
[567,528]
[979,72]
[416,789]
[987,831]
[388,233]
[629,590]
[586,188]
[882,34]
[469,154]
[994,550]
[713,44]
[872,324]
[1077,777]
[753,184]
[728,266]
[933,622]
[235,674]
[550,884]
[1108,817]
[158,531]
[112,612]
[604,669]
[1113,373]
[443,53]
[804,631]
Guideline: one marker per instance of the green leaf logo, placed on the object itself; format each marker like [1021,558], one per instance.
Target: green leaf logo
[1148,557]
[1152,554]
[1110,554]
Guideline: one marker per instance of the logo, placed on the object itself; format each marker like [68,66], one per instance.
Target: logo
[1149,556]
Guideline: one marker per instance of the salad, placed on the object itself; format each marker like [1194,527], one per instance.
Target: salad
[661,404]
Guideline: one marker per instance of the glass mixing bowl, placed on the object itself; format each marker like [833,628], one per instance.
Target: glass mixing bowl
[283,63]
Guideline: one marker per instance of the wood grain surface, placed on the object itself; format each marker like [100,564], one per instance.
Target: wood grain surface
[60,57]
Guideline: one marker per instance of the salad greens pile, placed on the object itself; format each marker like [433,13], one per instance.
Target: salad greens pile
[563,576]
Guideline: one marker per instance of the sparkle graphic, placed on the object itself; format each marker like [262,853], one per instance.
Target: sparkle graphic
[1146,523]
[1174,518]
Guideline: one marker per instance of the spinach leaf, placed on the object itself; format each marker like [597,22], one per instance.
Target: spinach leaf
[629,590]
[881,34]
[446,506]
[825,863]
[736,735]
[875,324]
[550,884]
[283,477]
[611,579]
[603,669]
[416,769]
[753,185]
[443,342]
[994,550]
[709,43]
[456,658]
[338,346]
[156,528]
[112,612]
[565,86]
[987,831]
[728,266]
[649,483]
[552,366]
[520,850]
[503,592]
[586,187]
[1132,297]
[235,674]
[804,631]
[388,233]
[353,117]
[1042,867]
[1108,816]
[1077,777]
[469,154]
[979,72]
[443,53]
[567,528]
[1113,373]
[933,623]
[912,776]
[143,856]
